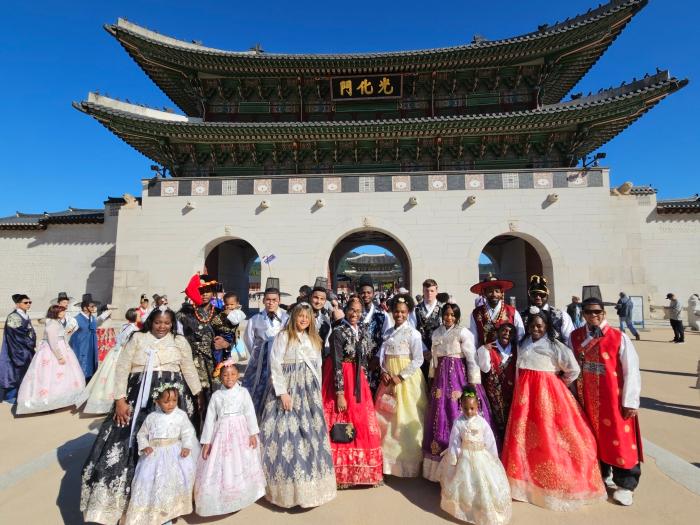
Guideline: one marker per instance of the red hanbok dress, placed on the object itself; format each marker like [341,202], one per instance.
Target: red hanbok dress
[549,451]
[360,461]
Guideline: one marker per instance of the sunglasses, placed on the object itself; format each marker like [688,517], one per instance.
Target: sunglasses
[26,302]
[538,294]
[593,312]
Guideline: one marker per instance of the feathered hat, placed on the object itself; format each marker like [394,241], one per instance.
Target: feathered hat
[199,284]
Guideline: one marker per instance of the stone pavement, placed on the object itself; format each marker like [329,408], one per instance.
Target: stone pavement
[41,457]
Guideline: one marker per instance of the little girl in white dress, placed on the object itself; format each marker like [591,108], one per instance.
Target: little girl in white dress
[165,472]
[474,483]
[229,471]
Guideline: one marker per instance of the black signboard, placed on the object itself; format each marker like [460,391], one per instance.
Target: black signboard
[366,87]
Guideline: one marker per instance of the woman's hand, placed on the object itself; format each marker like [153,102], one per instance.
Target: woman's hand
[386,378]
[61,360]
[184,452]
[205,451]
[147,451]
[286,402]
[396,379]
[340,404]
[628,413]
[122,412]
[253,441]
[220,343]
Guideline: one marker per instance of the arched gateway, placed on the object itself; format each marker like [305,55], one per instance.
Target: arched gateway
[232,261]
[375,266]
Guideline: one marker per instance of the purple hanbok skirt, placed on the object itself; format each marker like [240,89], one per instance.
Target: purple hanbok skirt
[444,408]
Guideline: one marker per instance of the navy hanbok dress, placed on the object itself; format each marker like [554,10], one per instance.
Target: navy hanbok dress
[84,343]
[18,343]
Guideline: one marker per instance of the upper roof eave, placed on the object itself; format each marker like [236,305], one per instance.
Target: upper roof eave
[605,10]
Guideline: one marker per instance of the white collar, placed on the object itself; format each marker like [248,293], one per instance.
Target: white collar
[505,351]
[355,329]
[22,313]
[495,308]
[429,307]
[367,318]
[86,316]
[401,326]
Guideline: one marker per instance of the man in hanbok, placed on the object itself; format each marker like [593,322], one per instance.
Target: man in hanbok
[196,319]
[69,323]
[493,311]
[377,322]
[426,318]
[84,338]
[538,294]
[18,344]
[318,299]
[608,389]
[258,336]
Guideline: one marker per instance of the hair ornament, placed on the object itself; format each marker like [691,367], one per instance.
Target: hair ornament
[469,393]
[222,364]
[401,300]
[534,310]
[166,386]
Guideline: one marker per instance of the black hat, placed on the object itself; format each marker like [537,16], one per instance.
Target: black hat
[19,297]
[87,298]
[538,283]
[321,282]
[62,296]
[669,296]
[365,280]
[272,284]
[593,300]
[209,284]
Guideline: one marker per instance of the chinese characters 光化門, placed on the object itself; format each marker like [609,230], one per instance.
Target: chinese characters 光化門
[380,86]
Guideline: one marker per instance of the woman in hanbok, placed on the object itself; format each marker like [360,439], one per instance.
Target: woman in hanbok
[401,400]
[296,450]
[164,477]
[348,399]
[84,338]
[474,484]
[452,367]
[153,356]
[54,378]
[229,472]
[98,396]
[549,452]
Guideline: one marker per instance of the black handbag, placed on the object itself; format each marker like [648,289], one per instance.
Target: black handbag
[342,433]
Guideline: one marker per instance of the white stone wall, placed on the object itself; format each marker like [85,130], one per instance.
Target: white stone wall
[586,237]
[72,258]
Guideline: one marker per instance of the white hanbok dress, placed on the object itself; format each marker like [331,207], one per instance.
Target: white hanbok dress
[163,481]
[232,476]
[474,484]
[98,396]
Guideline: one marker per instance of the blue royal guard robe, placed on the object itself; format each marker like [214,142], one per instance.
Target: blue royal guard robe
[84,344]
[18,345]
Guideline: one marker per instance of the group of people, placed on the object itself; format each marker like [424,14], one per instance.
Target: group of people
[514,405]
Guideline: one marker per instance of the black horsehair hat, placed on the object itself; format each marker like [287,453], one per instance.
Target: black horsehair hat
[87,298]
[19,297]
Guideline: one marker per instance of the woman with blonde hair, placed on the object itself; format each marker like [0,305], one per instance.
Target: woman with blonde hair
[296,450]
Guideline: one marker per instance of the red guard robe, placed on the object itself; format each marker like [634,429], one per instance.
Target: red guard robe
[486,327]
[599,389]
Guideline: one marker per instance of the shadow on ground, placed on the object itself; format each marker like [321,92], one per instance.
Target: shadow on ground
[71,456]
[672,408]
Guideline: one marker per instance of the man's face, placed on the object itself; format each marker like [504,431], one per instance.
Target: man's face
[271,302]
[429,294]
[24,305]
[63,303]
[206,297]
[594,314]
[318,300]
[367,294]
[539,299]
[493,296]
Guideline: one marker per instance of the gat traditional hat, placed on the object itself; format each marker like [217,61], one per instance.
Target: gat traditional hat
[491,282]
[62,296]
[365,280]
[321,282]
[87,298]
[538,283]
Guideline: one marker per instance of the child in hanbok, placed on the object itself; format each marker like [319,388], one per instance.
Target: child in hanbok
[54,378]
[401,400]
[165,473]
[474,484]
[229,471]
[98,396]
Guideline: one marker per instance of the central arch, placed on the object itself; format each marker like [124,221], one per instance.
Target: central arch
[385,269]
[236,264]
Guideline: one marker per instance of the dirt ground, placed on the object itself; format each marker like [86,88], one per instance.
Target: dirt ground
[41,457]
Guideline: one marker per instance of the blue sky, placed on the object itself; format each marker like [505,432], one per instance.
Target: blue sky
[54,52]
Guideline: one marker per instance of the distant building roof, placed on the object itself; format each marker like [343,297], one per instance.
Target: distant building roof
[367,258]
[40,221]
[687,205]
[642,190]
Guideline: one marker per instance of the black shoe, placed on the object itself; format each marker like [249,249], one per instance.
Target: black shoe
[638,337]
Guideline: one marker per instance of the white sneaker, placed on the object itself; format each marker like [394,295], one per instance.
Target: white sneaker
[623,497]
[608,480]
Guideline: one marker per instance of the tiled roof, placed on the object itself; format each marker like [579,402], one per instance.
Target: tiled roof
[688,205]
[40,221]
[642,190]
[572,47]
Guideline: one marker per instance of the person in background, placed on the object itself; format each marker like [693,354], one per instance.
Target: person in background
[69,323]
[574,311]
[84,339]
[143,310]
[624,308]
[675,311]
[426,318]
[18,343]
[538,298]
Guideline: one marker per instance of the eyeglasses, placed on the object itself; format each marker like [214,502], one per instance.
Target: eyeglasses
[538,294]
[593,312]
[26,302]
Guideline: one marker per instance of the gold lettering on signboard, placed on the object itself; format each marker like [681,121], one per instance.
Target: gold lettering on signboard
[385,86]
[365,87]
[346,88]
